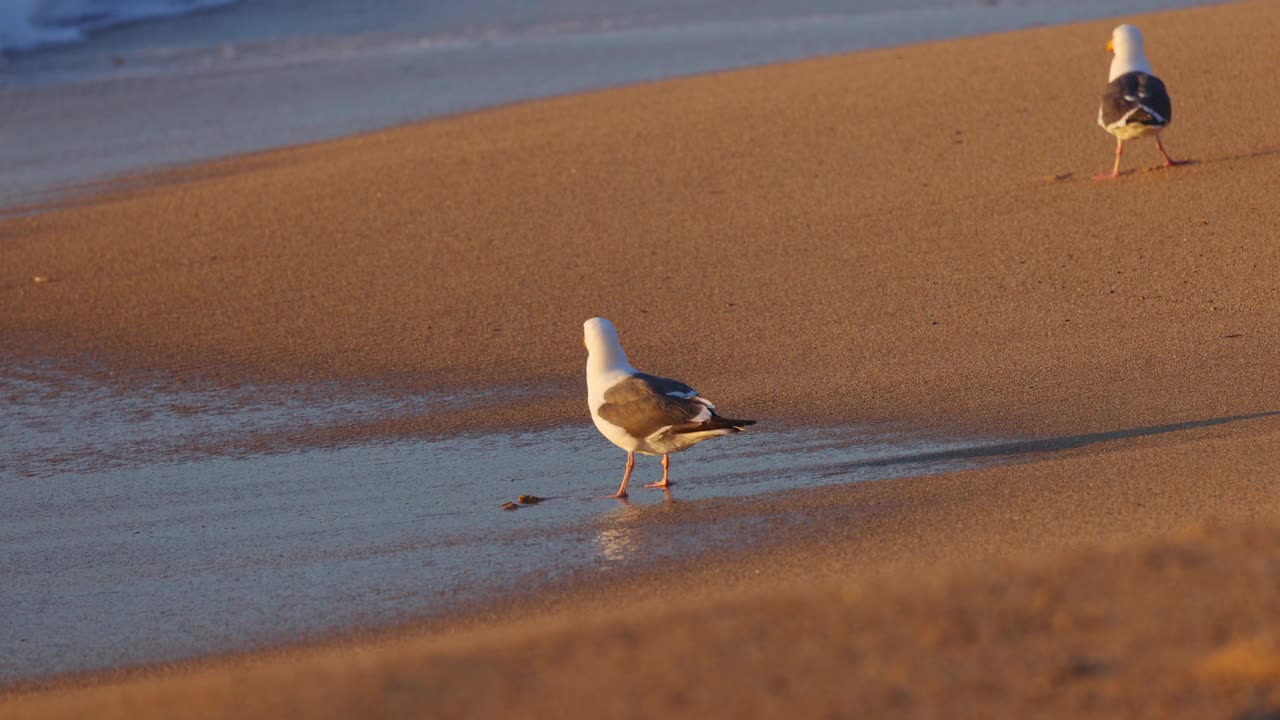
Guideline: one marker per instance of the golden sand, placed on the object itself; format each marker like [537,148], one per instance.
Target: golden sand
[907,234]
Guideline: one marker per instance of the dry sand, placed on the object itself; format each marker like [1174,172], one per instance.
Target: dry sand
[907,234]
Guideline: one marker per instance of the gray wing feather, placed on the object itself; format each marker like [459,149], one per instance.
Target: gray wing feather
[644,404]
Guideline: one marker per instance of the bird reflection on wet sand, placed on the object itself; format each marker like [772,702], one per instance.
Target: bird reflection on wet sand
[620,540]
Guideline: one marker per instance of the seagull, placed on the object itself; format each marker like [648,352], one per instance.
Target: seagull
[643,413]
[1135,103]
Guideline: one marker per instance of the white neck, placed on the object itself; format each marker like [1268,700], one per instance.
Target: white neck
[608,359]
[1128,61]
[605,366]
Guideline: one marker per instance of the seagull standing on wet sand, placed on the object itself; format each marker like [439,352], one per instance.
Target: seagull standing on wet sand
[642,413]
[1135,103]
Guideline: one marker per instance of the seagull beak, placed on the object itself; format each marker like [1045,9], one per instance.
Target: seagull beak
[1111,46]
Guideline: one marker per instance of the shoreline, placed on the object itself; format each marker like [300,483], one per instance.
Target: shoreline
[427,69]
[869,562]
[414,523]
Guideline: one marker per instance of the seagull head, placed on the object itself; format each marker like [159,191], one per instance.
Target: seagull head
[1126,40]
[601,340]
[1126,43]
[598,334]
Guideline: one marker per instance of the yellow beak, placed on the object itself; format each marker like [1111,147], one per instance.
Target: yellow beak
[1111,46]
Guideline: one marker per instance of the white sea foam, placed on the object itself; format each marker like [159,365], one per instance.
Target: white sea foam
[29,24]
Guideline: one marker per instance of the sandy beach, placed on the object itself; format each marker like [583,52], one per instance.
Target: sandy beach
[906,235]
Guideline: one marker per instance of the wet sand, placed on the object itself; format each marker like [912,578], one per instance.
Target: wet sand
[1132,579]
[152,528]
[805,243]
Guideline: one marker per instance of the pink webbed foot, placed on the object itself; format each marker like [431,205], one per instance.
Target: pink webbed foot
[1107,176]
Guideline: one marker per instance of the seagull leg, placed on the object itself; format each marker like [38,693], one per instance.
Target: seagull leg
[1115,170]
[1168,161]
[666,482]
[626,476]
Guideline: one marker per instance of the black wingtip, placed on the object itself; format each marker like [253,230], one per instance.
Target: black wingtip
[715,423]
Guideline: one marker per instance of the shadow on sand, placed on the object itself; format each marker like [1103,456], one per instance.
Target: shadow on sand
[1055,444]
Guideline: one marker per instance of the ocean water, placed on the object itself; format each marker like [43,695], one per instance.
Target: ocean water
[26,25]
[97,92]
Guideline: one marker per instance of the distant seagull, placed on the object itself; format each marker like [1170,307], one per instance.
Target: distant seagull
[642,413]
[1135,103]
